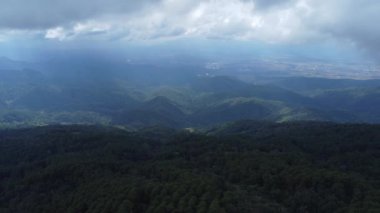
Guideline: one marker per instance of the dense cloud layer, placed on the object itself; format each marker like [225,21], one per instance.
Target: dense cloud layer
[266,4]
[42,14]
[355,21]
[259,20]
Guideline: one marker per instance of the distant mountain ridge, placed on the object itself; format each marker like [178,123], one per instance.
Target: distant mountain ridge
[169,98]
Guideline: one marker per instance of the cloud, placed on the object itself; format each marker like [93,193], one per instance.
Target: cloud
[350,20]
[218,19]
[42,14]
[274,21]
[266,4]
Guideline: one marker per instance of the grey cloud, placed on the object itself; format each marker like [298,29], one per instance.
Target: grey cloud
[42,14]
[265,4]
[354,20]
[267,20]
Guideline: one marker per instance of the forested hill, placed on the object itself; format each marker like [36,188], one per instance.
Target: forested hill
[240,167]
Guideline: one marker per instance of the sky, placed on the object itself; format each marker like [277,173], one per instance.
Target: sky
[346,27]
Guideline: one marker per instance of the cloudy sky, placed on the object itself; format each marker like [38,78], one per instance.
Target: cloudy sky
[274,22]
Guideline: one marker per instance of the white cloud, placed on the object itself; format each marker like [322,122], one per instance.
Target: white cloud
[222,19]
[56,33]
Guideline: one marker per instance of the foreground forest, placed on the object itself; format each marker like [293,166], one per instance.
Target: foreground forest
[244,166]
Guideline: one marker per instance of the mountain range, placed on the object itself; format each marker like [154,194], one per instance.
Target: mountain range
[145,95]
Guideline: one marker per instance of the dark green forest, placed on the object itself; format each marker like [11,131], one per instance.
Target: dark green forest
[246,166]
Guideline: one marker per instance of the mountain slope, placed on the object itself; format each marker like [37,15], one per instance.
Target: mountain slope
[191,100]
[96,99]
[157,111]
[230,87]
[312,86]
[234,109]
[361,102]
